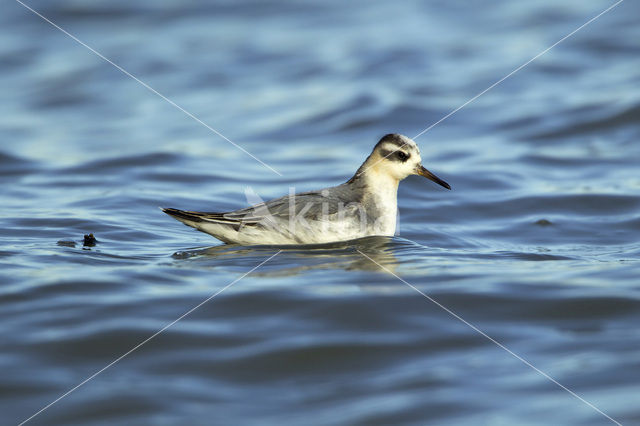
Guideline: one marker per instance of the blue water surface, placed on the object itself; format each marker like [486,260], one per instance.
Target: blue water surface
[537,245]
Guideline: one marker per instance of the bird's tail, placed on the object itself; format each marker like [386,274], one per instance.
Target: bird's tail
[187,217]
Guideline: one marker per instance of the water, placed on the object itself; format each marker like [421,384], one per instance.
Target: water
[537,245]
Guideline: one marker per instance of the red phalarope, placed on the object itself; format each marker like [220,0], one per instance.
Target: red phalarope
[363,206]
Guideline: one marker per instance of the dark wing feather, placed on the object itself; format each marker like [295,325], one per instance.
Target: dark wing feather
[207,217]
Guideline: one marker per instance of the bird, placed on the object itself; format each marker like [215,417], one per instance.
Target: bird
[365,205]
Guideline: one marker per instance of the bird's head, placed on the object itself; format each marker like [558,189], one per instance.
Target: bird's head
[397,156]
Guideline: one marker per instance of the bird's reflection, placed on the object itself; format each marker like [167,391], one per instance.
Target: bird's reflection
[297,259]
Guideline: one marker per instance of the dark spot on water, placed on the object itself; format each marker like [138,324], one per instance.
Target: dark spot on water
[182,255]
[89,240]
[66,243]
[543,222]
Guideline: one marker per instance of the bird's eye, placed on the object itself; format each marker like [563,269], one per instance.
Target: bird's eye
[402,156]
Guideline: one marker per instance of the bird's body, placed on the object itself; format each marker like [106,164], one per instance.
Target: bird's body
[363,206]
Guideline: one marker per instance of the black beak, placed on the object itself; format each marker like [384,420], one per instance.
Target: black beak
[426,173]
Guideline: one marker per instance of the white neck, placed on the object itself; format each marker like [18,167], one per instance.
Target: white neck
[383,186]
[383,198]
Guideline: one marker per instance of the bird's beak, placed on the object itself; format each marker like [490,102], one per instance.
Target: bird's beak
[426,173]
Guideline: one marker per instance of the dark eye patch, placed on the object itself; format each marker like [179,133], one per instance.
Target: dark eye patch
[395,155]
[402,156]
